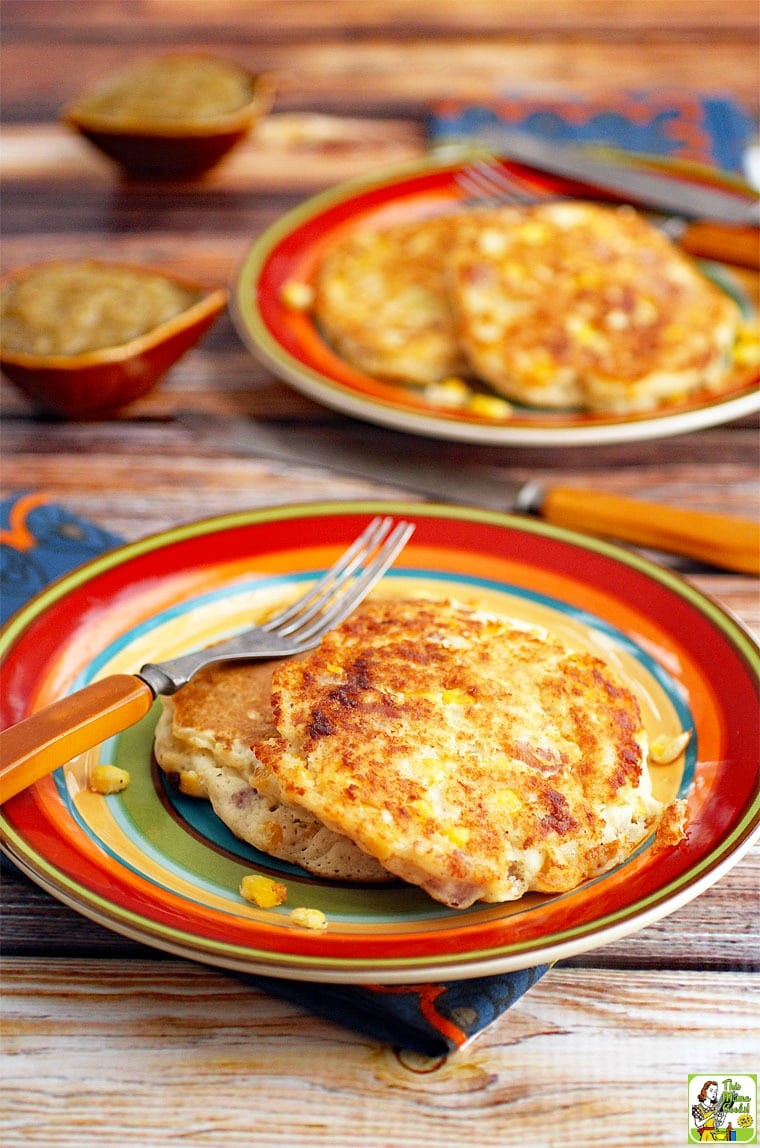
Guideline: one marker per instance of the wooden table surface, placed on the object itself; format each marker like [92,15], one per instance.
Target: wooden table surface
[106,1042]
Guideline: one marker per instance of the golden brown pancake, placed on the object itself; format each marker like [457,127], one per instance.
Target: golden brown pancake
[204,738]
[382,303]
[573,304]
[470,754]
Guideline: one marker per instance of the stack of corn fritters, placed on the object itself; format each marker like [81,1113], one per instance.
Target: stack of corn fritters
[561,304]
[465,752]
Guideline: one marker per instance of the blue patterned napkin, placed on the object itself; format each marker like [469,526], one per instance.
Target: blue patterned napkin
[708,129]
[40,541]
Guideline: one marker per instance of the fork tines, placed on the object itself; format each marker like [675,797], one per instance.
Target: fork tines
[336,593]
[486,182]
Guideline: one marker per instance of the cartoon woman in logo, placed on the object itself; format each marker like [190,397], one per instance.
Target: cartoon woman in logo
[709,1116]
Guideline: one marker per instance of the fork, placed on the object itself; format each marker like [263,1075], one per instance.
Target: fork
[49,738]
[486,182]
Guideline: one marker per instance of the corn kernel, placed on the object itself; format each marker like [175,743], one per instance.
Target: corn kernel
[542,372]
[584,333]
[297,295]
[533,232]
[108,779]
[515,272]
[617,320]
[425,695]
[456,698]
[191,783]
[748,332]
[451,392]
[489,407]
[644,312]
[458,835]
[262,891]
[665,748]
[745,355]
[746,351]
[422,807]
[508,800]
[309,918]
[492,242]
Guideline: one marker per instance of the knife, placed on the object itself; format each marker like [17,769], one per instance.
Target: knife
[717,539]
[637,184]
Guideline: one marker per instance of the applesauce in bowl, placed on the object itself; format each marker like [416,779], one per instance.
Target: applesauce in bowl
[172,116]
[84,337]
[72,308]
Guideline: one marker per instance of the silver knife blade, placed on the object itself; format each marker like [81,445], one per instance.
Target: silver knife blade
[392,459]
[633,183]
[386,460]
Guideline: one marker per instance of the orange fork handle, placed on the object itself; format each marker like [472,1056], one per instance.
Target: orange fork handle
[731,543]
[40,743]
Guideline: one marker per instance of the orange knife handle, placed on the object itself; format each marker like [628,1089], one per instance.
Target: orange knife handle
[737,245]
[40,743]
[731,543]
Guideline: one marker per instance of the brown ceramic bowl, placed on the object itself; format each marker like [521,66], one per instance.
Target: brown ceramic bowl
[173,116]
[55,364]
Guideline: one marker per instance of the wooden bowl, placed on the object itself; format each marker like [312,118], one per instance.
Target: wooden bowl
[99,380]
[172,116]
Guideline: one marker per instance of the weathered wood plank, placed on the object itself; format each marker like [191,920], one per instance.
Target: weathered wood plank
[106,1053]
[406,78]
[288,153]
[359,52]
[76,459]
[346,19]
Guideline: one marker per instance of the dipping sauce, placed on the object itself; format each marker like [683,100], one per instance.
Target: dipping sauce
[181,87]
[72,308]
